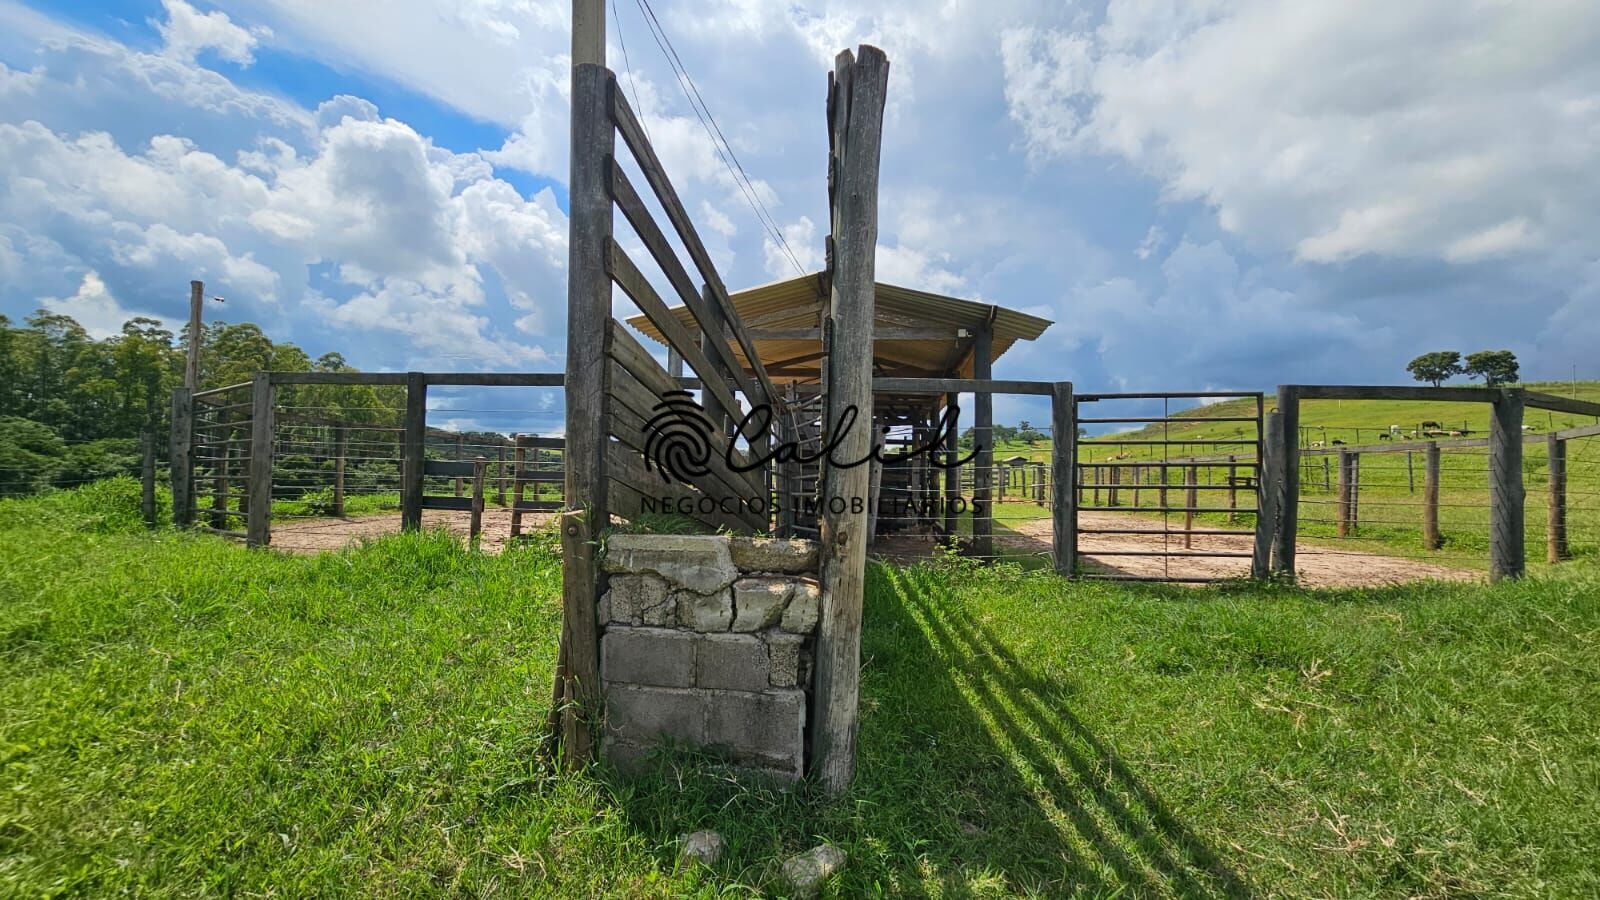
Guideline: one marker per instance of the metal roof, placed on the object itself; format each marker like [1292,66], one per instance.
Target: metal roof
[796,304]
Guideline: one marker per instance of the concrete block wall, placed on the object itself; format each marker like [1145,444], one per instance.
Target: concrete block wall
[706,640]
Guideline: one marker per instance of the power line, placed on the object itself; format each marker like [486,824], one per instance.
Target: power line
[719,142]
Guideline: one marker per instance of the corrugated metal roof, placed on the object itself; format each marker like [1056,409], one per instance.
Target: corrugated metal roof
[796,303]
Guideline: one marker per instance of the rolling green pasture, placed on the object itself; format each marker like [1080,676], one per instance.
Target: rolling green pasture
[182,716]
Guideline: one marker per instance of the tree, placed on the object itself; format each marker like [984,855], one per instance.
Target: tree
[1436,367]
[1495,367]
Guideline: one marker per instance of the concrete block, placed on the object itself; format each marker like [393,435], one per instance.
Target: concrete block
[783,654]
[653,656]
[733,662]
[767,728]
[801,615]
[705,612]
[645,715]
[629,596]
[759,602]
[695,562]
[765,731]
[792,557]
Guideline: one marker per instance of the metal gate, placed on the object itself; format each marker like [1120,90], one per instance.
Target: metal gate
[1169,496]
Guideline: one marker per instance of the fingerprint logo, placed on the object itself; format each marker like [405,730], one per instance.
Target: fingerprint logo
[678,438]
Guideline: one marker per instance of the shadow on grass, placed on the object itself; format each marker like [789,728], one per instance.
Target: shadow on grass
[1109,830]
[972,779]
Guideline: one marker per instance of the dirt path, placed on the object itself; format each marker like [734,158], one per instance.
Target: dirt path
[1317,566]
[319,535]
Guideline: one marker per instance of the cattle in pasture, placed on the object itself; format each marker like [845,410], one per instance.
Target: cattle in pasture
[1316,445]
[1427,425]
[1338,443]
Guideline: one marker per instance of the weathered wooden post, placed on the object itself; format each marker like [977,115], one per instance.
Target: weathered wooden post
[576,690]
[258,525]
[341,445]
[1342,502]
[1411,473]
[1267,488]
[1288,470]
[181,456]
[412,451]
[1507,494]
[147,477]
[519,455]
[1001,482]
[856,104]
[983,438]
[1327,476]
[1063,460]
[1115,477]
[1556,548]
[1430,496]
[475,525]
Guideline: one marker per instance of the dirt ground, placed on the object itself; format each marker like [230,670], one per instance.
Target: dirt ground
[1318,566]
[319,535]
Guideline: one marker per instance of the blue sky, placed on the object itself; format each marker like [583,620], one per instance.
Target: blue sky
[1201,194]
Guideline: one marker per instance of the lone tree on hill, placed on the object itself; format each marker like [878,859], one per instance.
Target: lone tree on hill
[1436,367]
[1495,367]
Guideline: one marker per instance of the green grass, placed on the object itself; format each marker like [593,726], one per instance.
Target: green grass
[183,716]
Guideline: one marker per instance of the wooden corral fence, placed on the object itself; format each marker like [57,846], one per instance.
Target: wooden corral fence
[1505,475]
[226,443]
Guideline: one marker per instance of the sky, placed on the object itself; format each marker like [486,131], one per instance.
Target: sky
[1201,195]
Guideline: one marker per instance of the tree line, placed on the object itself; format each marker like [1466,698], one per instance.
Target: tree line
[72,407]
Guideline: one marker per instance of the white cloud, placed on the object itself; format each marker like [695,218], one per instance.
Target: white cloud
[1437,129]
[187,31]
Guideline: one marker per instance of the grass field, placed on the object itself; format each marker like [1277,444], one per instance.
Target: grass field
[183,716]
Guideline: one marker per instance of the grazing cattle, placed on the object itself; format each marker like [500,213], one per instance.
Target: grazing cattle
[1457,433]
[1394,430]
[1434,425]
[1385,436]
[1338,443]
[1316,445]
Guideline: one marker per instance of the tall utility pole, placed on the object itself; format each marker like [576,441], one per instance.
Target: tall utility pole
[588,32]
[191,370]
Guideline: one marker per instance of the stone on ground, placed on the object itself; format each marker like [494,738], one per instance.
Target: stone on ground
[704,847]
[806,872]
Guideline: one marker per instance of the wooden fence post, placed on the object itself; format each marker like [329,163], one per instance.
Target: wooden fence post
[475,526]
[1063,461]
[412,451]
[147,477]
[983,442]
[587,428]
[1267,488]
[1341,503]
[1556,548]
[519,456]
[1430,497]
[181,456]
[859,87]
[1411,473]
[1288,470]
[258,525]
[341,446]
[1507,494]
